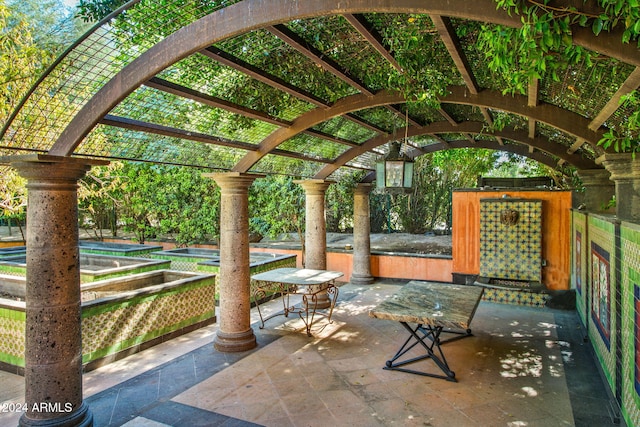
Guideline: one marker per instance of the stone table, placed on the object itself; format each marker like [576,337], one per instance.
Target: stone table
[434,308]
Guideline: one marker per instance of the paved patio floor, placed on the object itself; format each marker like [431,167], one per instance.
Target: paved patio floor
[522,367]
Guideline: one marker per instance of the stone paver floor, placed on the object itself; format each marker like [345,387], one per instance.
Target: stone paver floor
[522,367]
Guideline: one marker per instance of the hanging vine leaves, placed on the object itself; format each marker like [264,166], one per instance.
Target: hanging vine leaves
[544,46]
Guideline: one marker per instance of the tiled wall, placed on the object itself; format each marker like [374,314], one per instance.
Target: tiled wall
[515,297]
[601,301]
[289,262]
[12,333]
[630,328]
[88,275]
[606,277]
[114,325]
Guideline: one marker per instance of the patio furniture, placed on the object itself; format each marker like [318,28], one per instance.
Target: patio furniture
[291,281]
[434,308]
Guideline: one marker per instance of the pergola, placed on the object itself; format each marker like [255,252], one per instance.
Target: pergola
[315,89]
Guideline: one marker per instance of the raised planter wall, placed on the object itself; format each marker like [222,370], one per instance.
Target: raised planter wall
[92,267]
[117,249]
[123,315]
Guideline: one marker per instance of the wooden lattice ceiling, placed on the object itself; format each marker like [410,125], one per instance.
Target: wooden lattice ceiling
[310,88]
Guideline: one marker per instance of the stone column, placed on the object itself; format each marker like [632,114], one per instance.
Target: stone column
[53,346]
[598,189]
[625,172]
[234,332]
[315,235]
[361,273]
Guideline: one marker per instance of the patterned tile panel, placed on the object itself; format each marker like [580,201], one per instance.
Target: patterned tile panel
[260,268]
[119,324]
[515,297]
[579,263]
[12,336]
[511,239]
[115,326]
[602,304]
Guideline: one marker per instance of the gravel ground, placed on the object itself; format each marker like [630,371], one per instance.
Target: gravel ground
[383,242]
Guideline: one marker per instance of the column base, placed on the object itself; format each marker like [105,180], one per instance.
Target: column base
[82,417]
[363,279]
[322,300]
[235,341]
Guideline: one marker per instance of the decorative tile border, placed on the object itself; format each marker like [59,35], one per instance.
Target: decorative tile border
[515,297]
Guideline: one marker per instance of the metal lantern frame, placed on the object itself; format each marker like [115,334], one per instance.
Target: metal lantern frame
[395,170]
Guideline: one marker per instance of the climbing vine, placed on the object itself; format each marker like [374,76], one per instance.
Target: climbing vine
[543,46]
[626,138]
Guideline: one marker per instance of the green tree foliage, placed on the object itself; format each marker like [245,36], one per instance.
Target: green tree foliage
[99,199]
[543,46]
[13,196]
[509,165]
[429,203]
[32,34]
[339,199]
[627,138]
[95,10]
[276,205]
[20,59]
[170,201]
[190,206]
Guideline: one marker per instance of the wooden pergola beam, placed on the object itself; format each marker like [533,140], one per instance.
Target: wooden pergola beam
[630,84]
[576,145]
[320,59]
[452,43]
[487,117]
[155,129]
[316,56]
[188,93]
[564,120]
[453,122]
[532,101]
[202,98]
[235,19]
[273,81]
[367,31]
[237,64]
[544,150]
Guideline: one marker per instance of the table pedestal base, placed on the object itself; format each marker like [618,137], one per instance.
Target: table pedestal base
[420,335]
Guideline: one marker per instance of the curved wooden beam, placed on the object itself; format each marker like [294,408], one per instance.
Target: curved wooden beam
[567,121]
[522,150]
[312,118]
[252,14]
[541,143]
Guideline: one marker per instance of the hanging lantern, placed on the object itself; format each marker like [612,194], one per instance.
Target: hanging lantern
[395,170]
